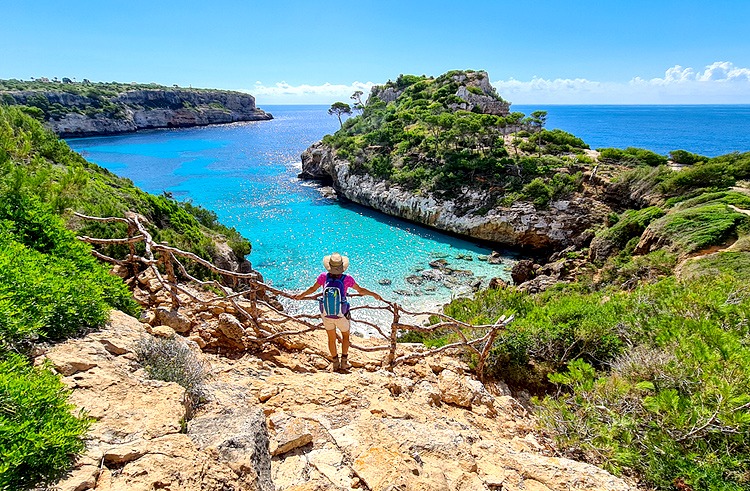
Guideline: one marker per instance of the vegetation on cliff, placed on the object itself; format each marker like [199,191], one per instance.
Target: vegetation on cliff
[440,134]
[642,364]
[92,99]
[52,288]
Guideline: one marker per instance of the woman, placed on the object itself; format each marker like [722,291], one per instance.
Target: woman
[333,318]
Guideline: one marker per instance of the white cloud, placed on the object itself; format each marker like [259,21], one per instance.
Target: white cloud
[718,83]
[327,93]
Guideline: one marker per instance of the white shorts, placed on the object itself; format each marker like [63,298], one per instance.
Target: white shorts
[331,323]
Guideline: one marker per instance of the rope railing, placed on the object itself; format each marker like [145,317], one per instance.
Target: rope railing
[269,323]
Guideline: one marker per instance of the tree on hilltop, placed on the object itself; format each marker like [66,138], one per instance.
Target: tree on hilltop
[357,97]
[339,108]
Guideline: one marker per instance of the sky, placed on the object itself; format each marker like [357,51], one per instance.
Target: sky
[304,52]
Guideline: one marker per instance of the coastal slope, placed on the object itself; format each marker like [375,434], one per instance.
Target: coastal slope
[447,152]
[78,110]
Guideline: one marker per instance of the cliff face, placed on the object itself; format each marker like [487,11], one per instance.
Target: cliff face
[139,109]
[559,226]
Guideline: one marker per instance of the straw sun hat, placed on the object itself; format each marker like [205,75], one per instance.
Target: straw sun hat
[336,263]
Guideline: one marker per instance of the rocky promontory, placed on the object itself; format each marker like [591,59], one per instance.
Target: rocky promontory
[519,225]
[446,152]
[92,111]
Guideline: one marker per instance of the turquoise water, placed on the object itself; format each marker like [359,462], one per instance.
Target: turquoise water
[247,173]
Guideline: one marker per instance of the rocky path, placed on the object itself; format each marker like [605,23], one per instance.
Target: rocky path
[277,420]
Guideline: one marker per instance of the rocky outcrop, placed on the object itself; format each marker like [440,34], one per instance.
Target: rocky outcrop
[142,109]
[474,90]
[139,439]
[273,420]
[520,225]
[485,99]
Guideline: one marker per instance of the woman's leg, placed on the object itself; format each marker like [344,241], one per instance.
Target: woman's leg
[332,342]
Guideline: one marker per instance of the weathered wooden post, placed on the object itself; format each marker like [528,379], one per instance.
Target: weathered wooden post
[171,277]
[394,335]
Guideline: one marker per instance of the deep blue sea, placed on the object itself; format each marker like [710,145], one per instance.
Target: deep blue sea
[709,130]
[246,172]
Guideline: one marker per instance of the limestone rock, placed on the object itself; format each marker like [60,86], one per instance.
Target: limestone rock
[173,318]
[454,389]
[239,437]
[163,332]
[231,327]
[522,271]
[292,433]
[521,224]
[147,109]
[382,469]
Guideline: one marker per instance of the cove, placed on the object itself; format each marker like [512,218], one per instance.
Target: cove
[246,173]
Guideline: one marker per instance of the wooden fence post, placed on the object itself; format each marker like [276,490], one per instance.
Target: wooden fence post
[394,336]
[169,268]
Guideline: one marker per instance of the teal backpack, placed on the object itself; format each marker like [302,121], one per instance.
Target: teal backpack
[333,303]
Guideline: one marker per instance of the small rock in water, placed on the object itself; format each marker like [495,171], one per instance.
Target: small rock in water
[482,257]
[476,285]
[495,258]
[414,280]
[438,263]
[432,274]
[463,291]
[328,192]
[385,282]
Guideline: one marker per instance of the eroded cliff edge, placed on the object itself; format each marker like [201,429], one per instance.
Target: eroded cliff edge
[562,224]
[93,113]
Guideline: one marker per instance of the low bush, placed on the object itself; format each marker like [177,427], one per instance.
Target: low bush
[687,230]
[631,156]
[171,360]
[39,435]
[629,225]
[675,407]
[50,285]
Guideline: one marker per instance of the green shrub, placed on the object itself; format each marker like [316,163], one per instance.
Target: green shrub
[39,435]
[703,175]
[50,285]
[676,405]
[538,192]
[630,224]
[686,230]
[631,156]
[736,263]
[686,158]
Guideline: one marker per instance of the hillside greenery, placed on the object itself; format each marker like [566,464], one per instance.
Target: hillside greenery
[98,96]
[52,288]
[640,366]
[34,161]
[424,141]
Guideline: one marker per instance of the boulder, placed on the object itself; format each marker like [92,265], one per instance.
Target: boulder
[522,271]
[240,438]
[173,318]
[497,284]
[495,258]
